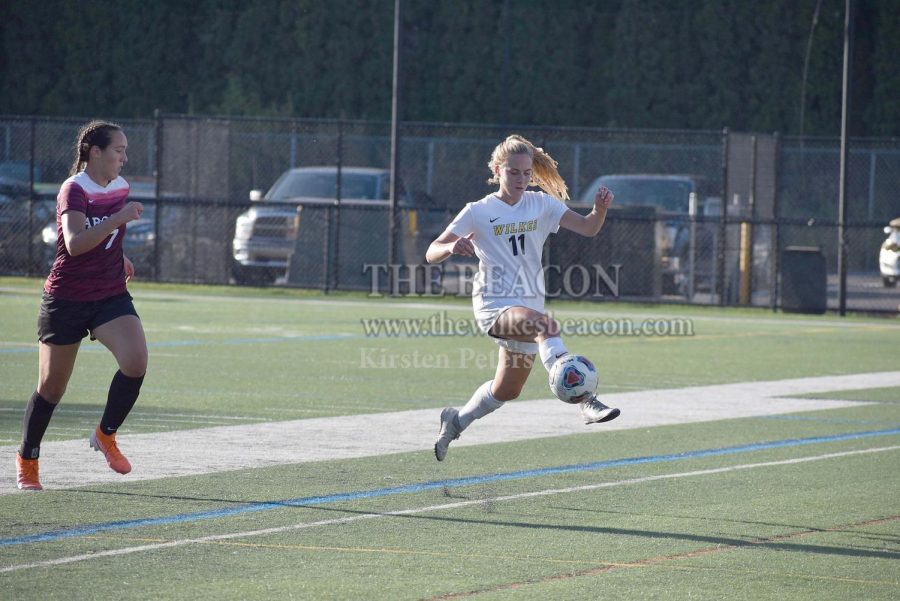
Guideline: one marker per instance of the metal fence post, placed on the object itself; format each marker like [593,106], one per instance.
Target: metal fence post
[158,175]
[396,114]
[751,284]
[845,143]
[721,242]
[775,244]
[31,197]
[692,245]
[338,195]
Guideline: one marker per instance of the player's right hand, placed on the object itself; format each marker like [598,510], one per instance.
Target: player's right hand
[464,246]
[131,211]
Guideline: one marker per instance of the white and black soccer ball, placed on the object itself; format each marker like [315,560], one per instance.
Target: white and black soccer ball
[573,378]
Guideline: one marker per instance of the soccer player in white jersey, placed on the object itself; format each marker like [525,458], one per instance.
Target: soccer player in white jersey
[86,294]
[506,230]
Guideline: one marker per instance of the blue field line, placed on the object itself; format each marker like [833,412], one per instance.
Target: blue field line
[174,343]
[425,486]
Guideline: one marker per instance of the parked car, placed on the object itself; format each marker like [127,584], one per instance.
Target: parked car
[265,235]
[21,218]
[671,195]
[889,256]
[19,171]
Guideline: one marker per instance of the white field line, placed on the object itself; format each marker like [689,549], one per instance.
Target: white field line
[379,302]
[416,510]
[386,302]
[71,463]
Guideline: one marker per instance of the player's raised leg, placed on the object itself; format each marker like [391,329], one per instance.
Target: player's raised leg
[124,336]
[512,372]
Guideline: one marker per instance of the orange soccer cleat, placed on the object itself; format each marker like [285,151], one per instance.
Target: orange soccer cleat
[107,444]
[27,474]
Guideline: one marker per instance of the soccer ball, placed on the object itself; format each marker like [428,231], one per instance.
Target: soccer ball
[572,378]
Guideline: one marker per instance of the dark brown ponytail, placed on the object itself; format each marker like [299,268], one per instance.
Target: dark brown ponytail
[95,133]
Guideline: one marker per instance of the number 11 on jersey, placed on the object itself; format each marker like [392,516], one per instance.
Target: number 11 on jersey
[520,248]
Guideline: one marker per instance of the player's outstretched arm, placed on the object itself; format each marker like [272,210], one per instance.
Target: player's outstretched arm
[590,224]
[80,239]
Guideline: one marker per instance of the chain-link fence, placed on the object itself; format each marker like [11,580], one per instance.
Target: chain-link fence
[700,217]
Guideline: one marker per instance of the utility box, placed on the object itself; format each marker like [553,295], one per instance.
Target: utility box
[804,280]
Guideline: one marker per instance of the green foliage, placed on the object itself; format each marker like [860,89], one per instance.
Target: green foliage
[698,64]
[884,110]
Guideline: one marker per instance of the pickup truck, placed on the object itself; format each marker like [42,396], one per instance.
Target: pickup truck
[265,235]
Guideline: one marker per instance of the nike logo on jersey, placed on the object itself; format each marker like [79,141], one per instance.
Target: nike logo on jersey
[494,219]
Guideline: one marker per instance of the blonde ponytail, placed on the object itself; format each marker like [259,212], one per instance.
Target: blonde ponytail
[544,169]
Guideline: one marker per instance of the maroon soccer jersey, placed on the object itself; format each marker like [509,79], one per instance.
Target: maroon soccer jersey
[100,272]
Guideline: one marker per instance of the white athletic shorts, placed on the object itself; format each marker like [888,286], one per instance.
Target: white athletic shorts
[486,318]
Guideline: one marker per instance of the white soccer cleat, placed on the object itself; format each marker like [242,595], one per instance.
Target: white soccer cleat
[448,433]
[595,412]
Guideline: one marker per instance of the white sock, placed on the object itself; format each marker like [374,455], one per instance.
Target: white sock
[481,403]
[551,349]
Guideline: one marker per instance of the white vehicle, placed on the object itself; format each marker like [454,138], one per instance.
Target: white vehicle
[889,257]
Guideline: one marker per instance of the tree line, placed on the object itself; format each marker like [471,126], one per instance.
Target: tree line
[750,65]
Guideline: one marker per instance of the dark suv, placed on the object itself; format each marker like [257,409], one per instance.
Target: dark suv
[671,196]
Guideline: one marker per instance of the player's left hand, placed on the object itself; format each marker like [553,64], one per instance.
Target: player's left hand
[129,269]
[603,198]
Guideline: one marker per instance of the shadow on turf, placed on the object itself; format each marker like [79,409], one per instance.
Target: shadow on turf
[701,518]
[490,507]
[753,543]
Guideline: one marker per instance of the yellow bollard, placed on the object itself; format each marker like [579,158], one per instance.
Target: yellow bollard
[746,263]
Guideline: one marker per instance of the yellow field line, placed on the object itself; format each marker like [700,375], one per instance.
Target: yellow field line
[603,566]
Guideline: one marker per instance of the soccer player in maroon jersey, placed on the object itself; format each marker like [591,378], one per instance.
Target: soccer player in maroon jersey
[86,293]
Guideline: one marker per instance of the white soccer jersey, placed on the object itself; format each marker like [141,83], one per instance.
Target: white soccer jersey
[509,241]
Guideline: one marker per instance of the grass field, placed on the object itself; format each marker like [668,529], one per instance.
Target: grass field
[782,505]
